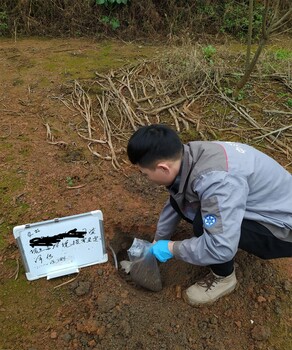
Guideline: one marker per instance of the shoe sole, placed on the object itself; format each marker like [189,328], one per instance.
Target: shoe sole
[189,302]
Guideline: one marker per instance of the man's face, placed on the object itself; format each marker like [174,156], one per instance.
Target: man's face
[160,175]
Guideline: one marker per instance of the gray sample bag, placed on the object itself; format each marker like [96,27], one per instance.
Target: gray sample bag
[144,268]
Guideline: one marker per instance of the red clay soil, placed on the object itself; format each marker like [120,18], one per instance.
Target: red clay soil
[101,308]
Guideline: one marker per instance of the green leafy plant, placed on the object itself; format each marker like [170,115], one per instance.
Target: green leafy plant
[240,96]
[282,94]
[70,181]
[208,52]
[228,91]
[235,20]
[283,54]
[112,21]
[289,102]
[3,22]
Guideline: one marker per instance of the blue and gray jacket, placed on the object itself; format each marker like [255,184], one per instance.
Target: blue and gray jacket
[227,182]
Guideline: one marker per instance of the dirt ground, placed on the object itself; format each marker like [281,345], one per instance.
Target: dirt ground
[101,308]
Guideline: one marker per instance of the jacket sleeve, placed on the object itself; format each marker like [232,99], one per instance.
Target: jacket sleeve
[223,201]
[167,222]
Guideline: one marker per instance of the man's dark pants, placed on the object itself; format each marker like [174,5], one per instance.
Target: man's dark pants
[255,239]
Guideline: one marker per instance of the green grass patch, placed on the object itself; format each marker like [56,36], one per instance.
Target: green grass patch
[11,202]
[83,64]
[30,307]
[283,54]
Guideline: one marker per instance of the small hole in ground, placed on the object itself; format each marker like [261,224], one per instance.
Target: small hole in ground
[120,243]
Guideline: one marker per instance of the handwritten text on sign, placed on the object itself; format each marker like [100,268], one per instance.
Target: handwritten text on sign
[43,247]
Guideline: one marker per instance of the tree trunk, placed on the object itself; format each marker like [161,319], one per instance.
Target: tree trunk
[249,39]
[251,66]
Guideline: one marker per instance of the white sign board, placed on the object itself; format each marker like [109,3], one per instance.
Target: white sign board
[61,246]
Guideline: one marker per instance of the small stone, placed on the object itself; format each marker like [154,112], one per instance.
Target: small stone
[92,343]
[75,344]
[178,292]
[67,337]
[73,285]
[83,288]
[83,341]
[278,310]
[203,325]
[124,294]
[260,333]
[101,331]
[238,324]
[54,335]
[261,299]
[287,286]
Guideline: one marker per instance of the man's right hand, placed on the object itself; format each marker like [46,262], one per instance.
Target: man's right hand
[161,250]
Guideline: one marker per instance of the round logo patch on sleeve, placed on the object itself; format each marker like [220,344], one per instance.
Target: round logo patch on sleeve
[210,220]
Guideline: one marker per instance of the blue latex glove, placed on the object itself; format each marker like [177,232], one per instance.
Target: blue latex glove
[160,251]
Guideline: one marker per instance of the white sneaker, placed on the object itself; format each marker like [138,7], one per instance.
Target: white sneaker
[209,289]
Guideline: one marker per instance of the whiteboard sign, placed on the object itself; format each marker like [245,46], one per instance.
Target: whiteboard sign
[61,246]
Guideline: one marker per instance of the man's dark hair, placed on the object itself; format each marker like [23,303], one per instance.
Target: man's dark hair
[153,143]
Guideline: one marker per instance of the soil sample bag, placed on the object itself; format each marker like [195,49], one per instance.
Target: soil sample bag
[144,268]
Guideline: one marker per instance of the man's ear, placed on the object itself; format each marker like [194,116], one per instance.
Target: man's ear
[164,167]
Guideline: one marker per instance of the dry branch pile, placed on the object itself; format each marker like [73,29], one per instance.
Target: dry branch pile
[191,98]
[129,98]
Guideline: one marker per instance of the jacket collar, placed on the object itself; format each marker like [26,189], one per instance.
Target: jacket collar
[179,182]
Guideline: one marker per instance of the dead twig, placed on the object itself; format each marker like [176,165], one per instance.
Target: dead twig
[98,154]
[16,272]
[50,136]
[273,132]
[277,112]
[166,106]
[75,187]
[108,131]
[51,139]
[64,283]
[82,102]
[59,143]
[89,139]
[63,101]
[241,110]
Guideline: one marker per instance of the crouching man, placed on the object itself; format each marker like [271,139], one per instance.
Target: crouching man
[233,195]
